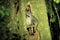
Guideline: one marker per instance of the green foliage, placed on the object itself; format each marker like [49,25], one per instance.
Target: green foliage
[4,11]
[53,18]
[5,33]
[3,22]
[4,14]
[57,1]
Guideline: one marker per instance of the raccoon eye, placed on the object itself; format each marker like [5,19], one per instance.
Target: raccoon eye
[27,16]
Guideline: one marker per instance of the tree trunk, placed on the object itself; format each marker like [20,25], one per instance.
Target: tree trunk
[17,20]
[40,12]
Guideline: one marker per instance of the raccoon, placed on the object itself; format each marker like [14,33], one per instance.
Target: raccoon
[32,24]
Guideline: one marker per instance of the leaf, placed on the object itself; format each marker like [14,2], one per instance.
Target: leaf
[57,1]
[53,19]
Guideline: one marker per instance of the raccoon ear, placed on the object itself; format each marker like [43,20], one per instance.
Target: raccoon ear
[29,3]
[28,7]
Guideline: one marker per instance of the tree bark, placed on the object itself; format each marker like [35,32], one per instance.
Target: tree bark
[17,20]
[40,12]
